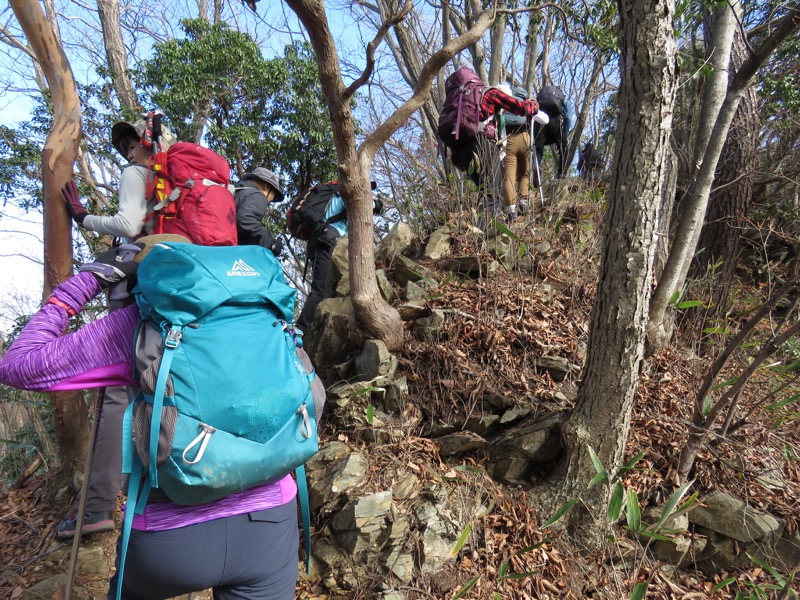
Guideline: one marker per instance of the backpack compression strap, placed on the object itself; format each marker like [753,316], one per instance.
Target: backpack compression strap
[171,342]
[305,511]
[461,92]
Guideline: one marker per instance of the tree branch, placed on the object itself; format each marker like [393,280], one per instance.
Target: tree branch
[783,29]
[8,38]
[373,45]
[422,90]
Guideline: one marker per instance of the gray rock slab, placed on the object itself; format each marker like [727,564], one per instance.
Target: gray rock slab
[733,518]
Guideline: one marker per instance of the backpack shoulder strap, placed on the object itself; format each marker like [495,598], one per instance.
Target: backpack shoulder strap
[341,215]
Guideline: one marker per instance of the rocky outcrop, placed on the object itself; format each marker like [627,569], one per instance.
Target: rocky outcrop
[394,518]
[721,533]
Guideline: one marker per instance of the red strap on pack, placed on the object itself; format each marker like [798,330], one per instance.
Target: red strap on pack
[61,304]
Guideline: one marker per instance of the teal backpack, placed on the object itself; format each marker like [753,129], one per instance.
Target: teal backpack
[227,396]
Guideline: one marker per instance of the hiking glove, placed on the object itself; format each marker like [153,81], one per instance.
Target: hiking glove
[277,246]
[114,265]
[76,210]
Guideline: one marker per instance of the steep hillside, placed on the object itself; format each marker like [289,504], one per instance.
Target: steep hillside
[429,480]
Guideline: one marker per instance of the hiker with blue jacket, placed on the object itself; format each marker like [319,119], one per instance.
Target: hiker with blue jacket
[244,545]
[253,195]
[319,249]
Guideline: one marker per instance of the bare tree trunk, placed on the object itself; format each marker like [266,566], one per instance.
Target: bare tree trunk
[60,150]
[371,311]
[116,56]
[531,52]
[440,79]
[718,51]
[407,54]
[498,33]
[729,202]
[478,54]
[546,48]
[601,419]
[586,106]
[694,208]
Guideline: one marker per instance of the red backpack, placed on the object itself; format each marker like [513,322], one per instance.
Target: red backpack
[189,184]
[460,119]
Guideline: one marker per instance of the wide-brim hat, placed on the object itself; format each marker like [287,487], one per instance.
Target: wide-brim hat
[150,241]
[268,177]
[123,131]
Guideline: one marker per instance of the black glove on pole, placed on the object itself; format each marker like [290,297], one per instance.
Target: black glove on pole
[112,266]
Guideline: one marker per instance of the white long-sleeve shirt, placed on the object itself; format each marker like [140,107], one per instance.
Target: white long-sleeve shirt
[129,220]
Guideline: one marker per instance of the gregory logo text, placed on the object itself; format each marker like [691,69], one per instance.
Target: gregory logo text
[242,269]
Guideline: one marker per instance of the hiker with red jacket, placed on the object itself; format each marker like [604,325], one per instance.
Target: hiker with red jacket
[457,128]
[516,163]
[244,545]
[494,100]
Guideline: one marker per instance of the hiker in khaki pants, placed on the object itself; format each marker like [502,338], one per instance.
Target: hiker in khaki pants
[516,171]
[516,165]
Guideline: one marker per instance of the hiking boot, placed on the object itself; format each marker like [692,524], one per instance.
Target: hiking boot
[92,523]
[522,205]
[511,213]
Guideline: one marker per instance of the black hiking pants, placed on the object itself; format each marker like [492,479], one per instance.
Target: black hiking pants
[320,252]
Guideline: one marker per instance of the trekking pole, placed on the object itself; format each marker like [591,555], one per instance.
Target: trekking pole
[76,539]
[535,163]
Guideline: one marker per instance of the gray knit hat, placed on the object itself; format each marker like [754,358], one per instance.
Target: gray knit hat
[269,177]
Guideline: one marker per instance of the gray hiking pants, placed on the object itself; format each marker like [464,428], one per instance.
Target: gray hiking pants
[105,480]
[245,557]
